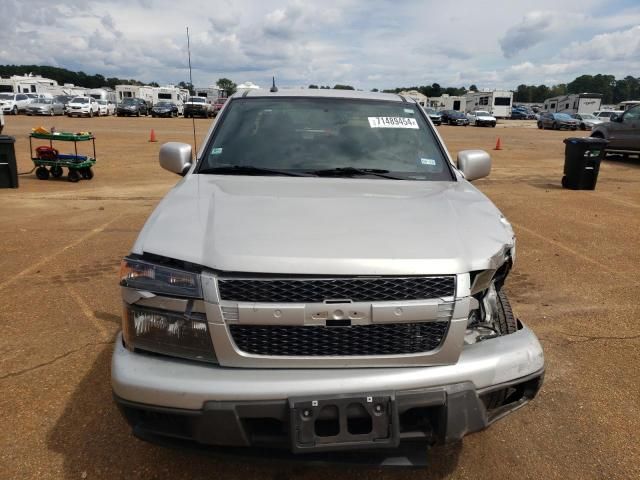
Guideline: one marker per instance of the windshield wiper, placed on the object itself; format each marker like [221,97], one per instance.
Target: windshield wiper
[250,170]
[353,172]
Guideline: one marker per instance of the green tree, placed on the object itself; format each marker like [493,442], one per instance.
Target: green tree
[343,87]
[227,85]
[313,86]
[473,88]
[375,90]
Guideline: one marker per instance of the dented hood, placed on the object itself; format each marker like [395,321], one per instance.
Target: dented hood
[330,226]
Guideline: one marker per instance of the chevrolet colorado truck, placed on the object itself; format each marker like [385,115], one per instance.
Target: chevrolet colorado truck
[322,278]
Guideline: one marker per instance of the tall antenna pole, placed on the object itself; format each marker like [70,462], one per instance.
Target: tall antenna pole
[193,118]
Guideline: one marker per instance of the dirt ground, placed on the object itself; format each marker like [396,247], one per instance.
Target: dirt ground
[574,283]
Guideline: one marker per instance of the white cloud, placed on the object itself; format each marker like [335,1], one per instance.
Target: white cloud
[533,29]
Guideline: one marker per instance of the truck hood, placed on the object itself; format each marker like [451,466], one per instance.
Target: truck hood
[327,226]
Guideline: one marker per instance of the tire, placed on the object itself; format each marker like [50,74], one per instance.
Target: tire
[56,171]
[42,173]
[493,125]
[86,173]
[506,323]
[583,126]
[90,114]
[554,126]
[137,113]
[73,176]
[15,110]
[51,114]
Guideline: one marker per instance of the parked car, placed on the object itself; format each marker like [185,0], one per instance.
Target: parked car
[454,117]
[106,107]
[83,107]
[218,104]
[45,106]
[132,107]
[586,120]
[435,117]
[14,103]
[164,109]
[64,100]
[605,115]
[557,121]
[197,107]
[243,326]
[1,121]
[482,118]
[622,132]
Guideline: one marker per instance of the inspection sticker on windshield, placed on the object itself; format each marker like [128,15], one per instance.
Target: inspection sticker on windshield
[428,161]
[216,151]
[393,122]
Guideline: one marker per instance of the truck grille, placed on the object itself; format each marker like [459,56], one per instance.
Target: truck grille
[319,290]
[320,341]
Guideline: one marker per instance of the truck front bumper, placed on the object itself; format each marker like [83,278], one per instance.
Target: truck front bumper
[246,407]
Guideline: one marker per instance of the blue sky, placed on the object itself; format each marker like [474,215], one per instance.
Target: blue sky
[368,44]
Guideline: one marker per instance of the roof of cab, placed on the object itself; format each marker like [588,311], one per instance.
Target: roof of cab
[324,93]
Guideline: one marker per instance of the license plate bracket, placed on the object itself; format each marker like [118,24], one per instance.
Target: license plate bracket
[343,422]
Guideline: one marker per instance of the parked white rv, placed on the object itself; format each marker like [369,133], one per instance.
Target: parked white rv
[105,93]
[496,102]
[582,103]
[134,91]
[29,84]
[170,93]
[211,93]
[416,95]
[624,106]
[446,102]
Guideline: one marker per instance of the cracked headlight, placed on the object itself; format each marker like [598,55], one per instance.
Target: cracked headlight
[160,279]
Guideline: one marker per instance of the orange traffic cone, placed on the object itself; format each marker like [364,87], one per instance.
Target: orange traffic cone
[498,145]
[152,137]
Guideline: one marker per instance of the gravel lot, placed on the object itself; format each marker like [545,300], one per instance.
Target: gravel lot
[574,283]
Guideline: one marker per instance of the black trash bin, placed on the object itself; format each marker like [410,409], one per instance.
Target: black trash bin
[8,167]
[582,156]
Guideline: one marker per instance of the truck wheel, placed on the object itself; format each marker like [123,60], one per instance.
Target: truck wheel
[540,126]
[506,323]
[42,173]
[90,114]
[73,176]
[56,171]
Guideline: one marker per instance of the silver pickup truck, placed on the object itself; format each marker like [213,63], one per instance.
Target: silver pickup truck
[322,278]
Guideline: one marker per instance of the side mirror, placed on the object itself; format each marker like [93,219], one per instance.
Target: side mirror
[616,118]
[474,164]
[176,157]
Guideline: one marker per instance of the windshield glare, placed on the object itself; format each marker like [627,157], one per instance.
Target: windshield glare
[305,135]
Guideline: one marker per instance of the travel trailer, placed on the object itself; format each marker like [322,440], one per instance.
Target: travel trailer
[582,103]
[134,91]
[446,102]
[624,106]
[29,84]
[170,93]
[105,93]
[496,102]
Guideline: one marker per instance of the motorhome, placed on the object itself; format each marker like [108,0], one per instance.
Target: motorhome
[582,103]
[496,102]
[446,102]
[416,95]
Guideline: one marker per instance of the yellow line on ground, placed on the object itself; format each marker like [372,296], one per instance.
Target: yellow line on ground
[88,312]
[48,258]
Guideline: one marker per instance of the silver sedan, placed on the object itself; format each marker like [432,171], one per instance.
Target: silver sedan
[45,106]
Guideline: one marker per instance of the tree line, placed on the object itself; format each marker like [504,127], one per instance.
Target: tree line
[62,76]
[613,91]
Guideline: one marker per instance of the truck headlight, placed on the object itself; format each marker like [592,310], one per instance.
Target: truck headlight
[169,333]
[159,279]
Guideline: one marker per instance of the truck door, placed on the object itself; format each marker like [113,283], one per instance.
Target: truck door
[628,131]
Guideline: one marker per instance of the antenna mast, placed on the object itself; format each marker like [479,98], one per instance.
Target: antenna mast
[193,120]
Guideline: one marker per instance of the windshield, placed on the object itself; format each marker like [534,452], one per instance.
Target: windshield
[431,111]
[482,113]
[102,102]
[605,114]
[44,101]
[80,100]
[163,104]
[315,135]
[587,116]
[563,116]
[197,100]
[127,101]
[6,96]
